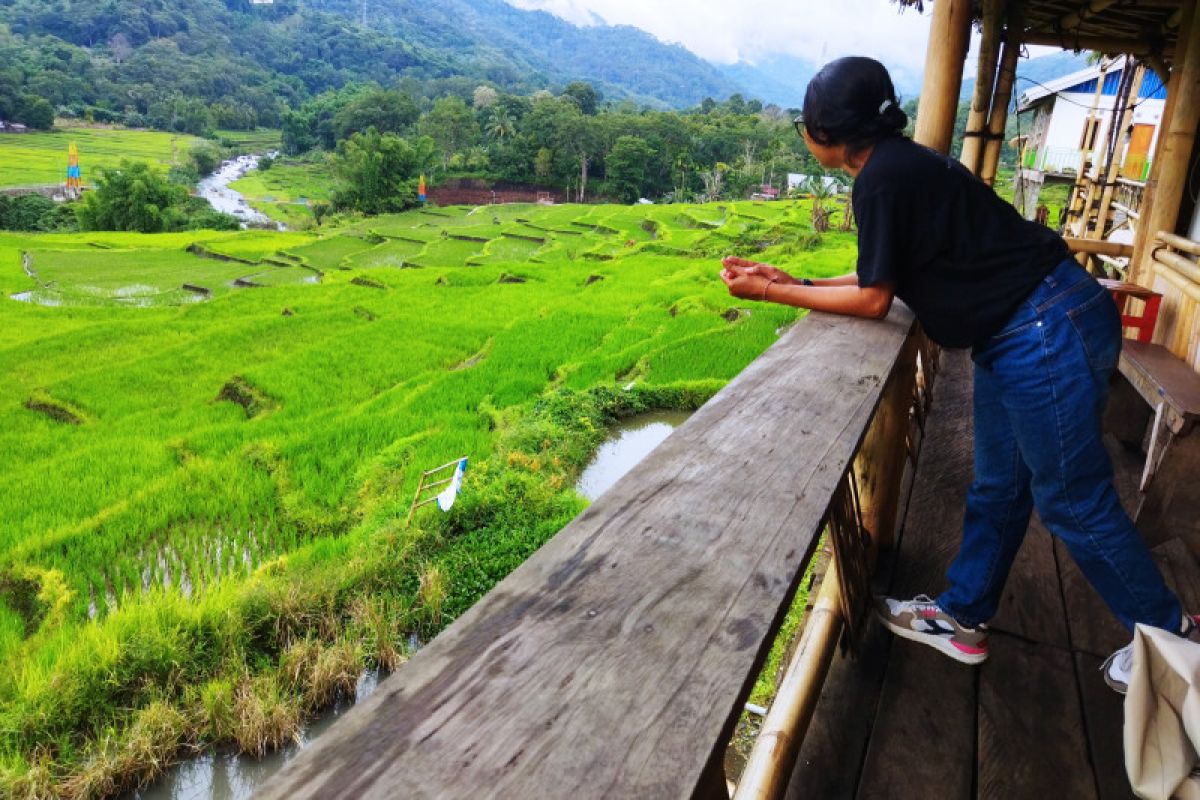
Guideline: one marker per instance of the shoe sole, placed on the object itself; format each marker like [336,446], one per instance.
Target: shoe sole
[939,643]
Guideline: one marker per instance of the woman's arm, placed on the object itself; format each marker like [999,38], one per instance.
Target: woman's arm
[835,295]
[767,271]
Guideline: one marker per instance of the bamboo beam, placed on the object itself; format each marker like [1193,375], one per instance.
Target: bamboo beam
[985,81]
[1176,139]
[1179,242]
[1098,247]
[1104,44]
[949,35]
[1184,266]
[1089,10]
[1004,88]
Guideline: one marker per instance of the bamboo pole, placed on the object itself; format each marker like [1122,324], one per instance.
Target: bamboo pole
[1179,242]
[949,35]
[1184,266]
[1004,88]
[1103,44]
[774,753]
[1099,248]
[1078,207]
[1168,172]
[1114,163]
[1089,10]
[985,81]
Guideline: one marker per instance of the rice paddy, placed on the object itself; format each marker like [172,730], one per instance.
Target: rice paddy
[196,480]
[40,158]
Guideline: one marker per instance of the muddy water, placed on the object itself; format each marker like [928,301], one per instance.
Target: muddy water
[226,776]
[215,189]
[630,441]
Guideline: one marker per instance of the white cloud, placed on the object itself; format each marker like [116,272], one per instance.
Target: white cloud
[747,30]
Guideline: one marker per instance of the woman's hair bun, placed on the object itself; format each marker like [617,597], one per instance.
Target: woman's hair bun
[852,101]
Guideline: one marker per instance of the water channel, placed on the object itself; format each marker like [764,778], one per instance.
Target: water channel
[629,441]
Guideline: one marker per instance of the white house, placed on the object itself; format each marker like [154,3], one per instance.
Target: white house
[1063,128]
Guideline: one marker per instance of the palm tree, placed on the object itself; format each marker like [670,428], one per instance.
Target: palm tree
[501,124]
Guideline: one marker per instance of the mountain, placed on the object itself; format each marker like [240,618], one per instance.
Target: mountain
[492,39]
[781,79]
[148,63]
[1032,71]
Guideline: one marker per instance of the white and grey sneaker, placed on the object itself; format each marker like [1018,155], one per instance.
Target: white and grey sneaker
[1118,667]
[921,620]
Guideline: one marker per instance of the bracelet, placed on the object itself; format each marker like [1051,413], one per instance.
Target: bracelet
[806,282]
[763,299]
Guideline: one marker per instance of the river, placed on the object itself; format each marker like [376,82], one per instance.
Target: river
[215,189]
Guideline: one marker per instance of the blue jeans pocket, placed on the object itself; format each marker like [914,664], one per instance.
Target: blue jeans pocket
[1098,324]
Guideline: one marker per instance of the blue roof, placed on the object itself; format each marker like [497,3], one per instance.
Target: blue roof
[1152,86]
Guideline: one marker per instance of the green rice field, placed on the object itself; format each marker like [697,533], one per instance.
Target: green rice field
[209,443]
[40,158]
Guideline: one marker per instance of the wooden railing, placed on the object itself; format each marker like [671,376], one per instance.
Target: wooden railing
[1177,278]
[617,659]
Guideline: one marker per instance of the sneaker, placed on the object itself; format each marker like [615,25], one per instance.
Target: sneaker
[1119,666]
[922,621]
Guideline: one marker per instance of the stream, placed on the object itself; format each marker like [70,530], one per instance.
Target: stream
[629,441]
[215,189]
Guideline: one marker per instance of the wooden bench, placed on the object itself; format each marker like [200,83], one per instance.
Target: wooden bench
[1170,485]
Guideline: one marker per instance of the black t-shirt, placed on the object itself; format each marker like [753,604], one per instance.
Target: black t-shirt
[962,258]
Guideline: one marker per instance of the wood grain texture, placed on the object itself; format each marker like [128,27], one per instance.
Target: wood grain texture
[1104,718]
[925,738]
[1031,732]
[1031,605]
[614,661]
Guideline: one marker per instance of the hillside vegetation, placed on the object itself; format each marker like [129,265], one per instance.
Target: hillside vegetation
[204,487]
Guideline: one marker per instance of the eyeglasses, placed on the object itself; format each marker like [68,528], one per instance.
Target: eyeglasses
[799,123]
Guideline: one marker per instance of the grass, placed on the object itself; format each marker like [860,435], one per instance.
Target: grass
[285,191]
[236,477]
[40,158]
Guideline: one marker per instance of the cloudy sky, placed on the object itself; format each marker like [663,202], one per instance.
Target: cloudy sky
[727,31]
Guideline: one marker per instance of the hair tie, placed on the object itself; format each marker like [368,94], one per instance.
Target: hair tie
[884,106]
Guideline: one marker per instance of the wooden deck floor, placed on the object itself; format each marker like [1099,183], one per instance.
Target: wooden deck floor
[1036,720]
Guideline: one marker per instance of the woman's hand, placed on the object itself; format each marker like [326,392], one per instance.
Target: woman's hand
[745,282]
[756,268]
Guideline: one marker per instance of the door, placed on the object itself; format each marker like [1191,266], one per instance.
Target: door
[1137,157]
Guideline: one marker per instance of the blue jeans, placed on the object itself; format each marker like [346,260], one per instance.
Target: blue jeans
[1041,384]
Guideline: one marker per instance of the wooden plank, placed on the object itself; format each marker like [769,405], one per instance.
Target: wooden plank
[1181,571]
[1031,738]
[1031,605]
[615,660]
[1171,505]
[841,724]
[908,711]
[1157,373]
[1104,719]
[1094,629]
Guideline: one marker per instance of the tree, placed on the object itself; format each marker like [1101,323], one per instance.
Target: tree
[205,157]
[451,126]
[377,173]
[387,112]
[500,125]
[626,166]
[584,96]
[36,112]
[132,197]
[485,97]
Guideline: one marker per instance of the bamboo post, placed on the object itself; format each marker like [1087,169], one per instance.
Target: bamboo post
[879,466]
[1093,179]
[949,35]
[1114,163]
[998,120]
[1079,192]
[1168,173]
[774,753]
[985,81]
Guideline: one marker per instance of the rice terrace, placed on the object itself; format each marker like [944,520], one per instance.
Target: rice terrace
[213,439]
